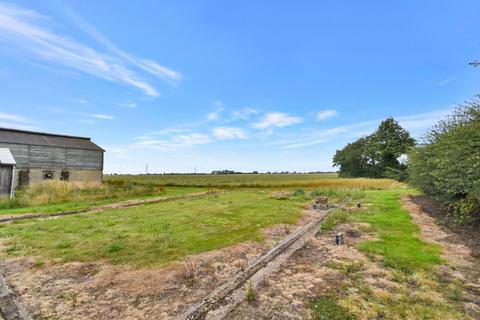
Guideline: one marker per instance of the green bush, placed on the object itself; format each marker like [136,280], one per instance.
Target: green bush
[447,164]
[300,192]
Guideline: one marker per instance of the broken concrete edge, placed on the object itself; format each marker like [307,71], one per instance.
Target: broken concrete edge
[10,306]
[228,304]
[117,205]
[216,298]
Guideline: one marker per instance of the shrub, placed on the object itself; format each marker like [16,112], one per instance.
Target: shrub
[250,294]
[447,164]
[334,218]
[299,192]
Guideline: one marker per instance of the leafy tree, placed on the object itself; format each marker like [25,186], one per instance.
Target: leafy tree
[352,160]
[376,155]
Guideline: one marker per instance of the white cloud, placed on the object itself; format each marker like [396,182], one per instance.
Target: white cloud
[446,81]
[213,116]
[170,131]
[13,117]
[216,115]
[277,119]
[423,121]
[191,139]
[145,64]
[325,114]
[180,140]
[58,110]
[415,124]
[243,114]
[28,31]
[127,105]
[101,116]
[10,120]
[229,133]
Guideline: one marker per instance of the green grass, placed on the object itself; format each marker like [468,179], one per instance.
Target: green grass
[88,203]
[335,217]
[328,309]
[153,234]
[258,180]
[398,242]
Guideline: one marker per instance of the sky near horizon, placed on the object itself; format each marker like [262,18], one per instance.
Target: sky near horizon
[239,85]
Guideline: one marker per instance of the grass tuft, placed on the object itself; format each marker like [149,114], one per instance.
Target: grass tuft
[334,218]
[328,309]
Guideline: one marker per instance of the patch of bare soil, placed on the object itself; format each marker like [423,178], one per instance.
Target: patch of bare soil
[469,235]
[364,285]
[306,275]
[103,291]
[463,264]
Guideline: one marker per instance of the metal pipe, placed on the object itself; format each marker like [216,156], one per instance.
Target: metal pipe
[12,190]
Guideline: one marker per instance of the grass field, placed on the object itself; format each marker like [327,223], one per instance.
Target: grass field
[153,234]
[81,203]
[259,181]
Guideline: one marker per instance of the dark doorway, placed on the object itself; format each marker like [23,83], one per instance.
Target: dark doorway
[6,175]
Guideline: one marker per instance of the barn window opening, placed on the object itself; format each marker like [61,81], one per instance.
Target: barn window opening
[47,175]
[64,175]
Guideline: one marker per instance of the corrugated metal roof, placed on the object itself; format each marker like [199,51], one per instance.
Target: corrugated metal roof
[6,157]
[46,139]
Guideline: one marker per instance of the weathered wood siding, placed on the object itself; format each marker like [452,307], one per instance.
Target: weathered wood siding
[46,157]
[43,157]
[84,159]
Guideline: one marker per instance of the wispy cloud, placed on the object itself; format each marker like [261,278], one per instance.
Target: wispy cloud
[229,133]
[176,141]
[101,116]
[13,117]
[243,113]
[446,81]
[170,131]
[32,32]
[57,110]
[415,124]
[192,139]
[147,65]
[423,121]
[14,121]
[127,105]
[277,119]
[215,115]
[325,114]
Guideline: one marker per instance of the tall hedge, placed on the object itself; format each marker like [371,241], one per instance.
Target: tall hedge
[447,164]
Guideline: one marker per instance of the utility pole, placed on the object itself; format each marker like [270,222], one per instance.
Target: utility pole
[195,170]
[146,168]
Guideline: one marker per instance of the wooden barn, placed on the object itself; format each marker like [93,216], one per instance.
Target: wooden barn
[31,157]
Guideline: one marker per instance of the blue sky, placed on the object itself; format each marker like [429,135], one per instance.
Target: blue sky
[241,85]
